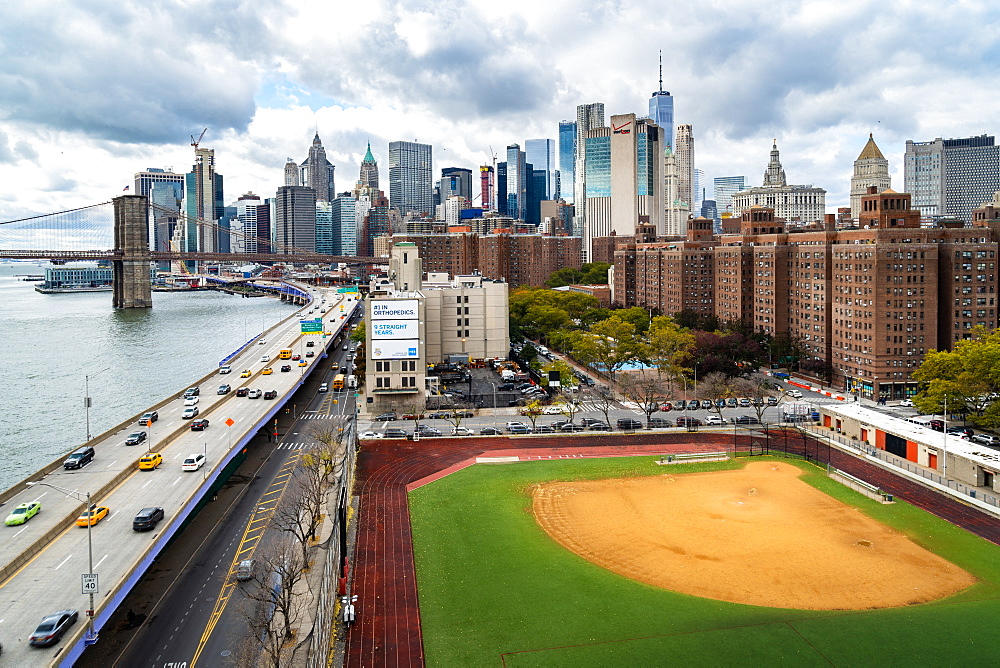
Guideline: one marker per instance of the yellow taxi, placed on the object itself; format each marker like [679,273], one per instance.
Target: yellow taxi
[92,516]
[150,461]
[267,371]
[303,363]
[246,373]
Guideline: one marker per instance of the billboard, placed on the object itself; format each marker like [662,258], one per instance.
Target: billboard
[395,349]
[395,329]
[395,309]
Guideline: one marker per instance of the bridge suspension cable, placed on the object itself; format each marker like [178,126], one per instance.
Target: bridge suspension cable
[83,228]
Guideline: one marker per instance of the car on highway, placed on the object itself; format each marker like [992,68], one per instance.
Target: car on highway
[285,368]
[242,391]
[310,344]
[224,389]
[189,412]
[193,462]
[149,461]
[714,420]
[296,357]
[271,394]
[200,424]
[267,371]
[490,431]
[265,358]
[310,353]
[147,518]
[135,438]
[660,422]
[151,416]
[79,458]
[51,629]
[303,363]
[92,516]
[191,400]
[325,387]
[629,423]
[22,513]
[262,342]
[254,393]
[225,368]
[244,570]
[345,347]
[385,417]
[246,373]
[394,433]
[192,391]
[462,431]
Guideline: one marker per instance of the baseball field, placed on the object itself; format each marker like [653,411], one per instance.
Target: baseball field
[620,561]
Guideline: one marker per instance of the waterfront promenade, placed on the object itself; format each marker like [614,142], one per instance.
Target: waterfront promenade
[41,561]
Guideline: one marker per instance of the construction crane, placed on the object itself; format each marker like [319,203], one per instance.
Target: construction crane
[195,142]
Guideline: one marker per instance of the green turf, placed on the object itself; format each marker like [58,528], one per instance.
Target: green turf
[494,588]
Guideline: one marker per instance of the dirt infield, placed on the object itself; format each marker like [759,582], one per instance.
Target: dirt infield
[758,536]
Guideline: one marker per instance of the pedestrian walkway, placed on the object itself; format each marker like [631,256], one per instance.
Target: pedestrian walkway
[294,446]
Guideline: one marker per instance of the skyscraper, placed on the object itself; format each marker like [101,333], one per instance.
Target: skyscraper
[684,151]
[203,200]
[165,191]
[698,190]
[588,117]
[793,203]
[725,188]
[325,241]
[317,172]
[292,173]
[248,237]
[870,169]
[661,110]
[456,181]
[517,182]
[541,153]
[295,219]
[369,170]
[486,185]
[411,178]
[951,177]
[567,158]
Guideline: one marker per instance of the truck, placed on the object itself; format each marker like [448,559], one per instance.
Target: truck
[507,375]
[352,381]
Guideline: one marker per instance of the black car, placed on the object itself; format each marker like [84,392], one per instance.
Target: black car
[505,387]
[439,415]
[80,458]
[745,419]
[490,431]
[52,628]
[544,429]
[385,417]
[394,433]
[285,368]
[242,392]
[463,414]
[147,518]
[271,394]
[192,391]
[964,432]
[135,438]
[660,422]
[199,425]
[569,426]
[586,422]
[523,386]
[684,421]
[629,423]
[599,426]
[425,430]
[151,416]
[310,344]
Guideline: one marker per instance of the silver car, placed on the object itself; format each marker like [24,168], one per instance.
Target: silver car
[51,629]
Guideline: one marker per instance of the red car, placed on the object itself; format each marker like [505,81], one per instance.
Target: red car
[666,406]
[412,416]
[296,357]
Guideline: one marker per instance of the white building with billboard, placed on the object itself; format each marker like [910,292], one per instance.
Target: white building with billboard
[412,322]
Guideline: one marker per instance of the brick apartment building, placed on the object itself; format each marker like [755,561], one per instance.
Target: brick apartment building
[866,303]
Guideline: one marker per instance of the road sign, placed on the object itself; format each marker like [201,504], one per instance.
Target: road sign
[89,583]
[311,326]
[230,422]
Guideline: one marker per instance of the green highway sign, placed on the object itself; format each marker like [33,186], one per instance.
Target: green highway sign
[311,326]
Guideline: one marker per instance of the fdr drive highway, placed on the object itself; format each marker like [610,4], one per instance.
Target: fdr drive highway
[44,562]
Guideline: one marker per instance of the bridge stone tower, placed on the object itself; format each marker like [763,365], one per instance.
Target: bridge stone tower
[130,269]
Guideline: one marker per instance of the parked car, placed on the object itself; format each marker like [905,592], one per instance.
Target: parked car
[707,404]
[986,439]
[22,513]
[745,419]
[370,434]
[795,394]
[684,421]
[242,392]
[519,429]
[543,429]
[693,405]
[744,402]
[147,519]
[394,433]
[135,438]
[462,431]
[660,422]
[412,416]
[224,389]
[936,425]
[149,461]
[439,415]
[714,420]
[964,432]
[425,430]
[490,431]
[732,402]
[385,417]
[52,627]
[906,403]
[772,401]
[151,416]
[505,387]
[570,427]
[193,462]
[629,423]
[599,426]
[666,407]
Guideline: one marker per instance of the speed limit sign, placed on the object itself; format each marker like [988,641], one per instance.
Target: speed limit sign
[89,583]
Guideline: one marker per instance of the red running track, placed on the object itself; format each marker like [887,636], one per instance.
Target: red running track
[387,630]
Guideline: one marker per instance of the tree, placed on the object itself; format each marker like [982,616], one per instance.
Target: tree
[272,604]
[459,412]
[358,333]
[666,346]
[568,404]
[609,343]
[603,399]
[715,386]
[532,410]
[563,276]
[594,273]
[644,390]
[414,412]
[757,389]
[967,376]
[566,377]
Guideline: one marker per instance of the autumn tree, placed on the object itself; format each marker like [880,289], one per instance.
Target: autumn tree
[967,377]
[666,346]
[609,343]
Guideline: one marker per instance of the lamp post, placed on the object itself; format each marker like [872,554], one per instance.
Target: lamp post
[944,463]
[86,398]
[494,405]
[91,637]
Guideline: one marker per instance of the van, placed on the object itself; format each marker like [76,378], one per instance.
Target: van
[244,570]
[352,381]
[80,458]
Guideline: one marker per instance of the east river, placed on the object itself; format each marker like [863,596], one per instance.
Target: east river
[133,358]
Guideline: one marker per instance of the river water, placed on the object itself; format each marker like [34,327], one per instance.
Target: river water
[134,358]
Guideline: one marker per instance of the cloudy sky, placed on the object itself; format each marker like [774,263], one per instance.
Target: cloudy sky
[93,91]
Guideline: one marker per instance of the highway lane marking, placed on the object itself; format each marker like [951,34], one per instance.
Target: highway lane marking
[248,543]
[178,480]
[111,464]
[63,562]
[101,561]
[23,529]
[39,497]
[147,483]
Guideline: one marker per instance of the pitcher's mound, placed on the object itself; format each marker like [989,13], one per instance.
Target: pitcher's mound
[758,536]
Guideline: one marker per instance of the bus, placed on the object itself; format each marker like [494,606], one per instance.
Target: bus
[285,354]
[338,382]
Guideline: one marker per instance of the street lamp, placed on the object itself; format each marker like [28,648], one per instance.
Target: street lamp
[91,586]
[944,463]
[494,405]
[86,398]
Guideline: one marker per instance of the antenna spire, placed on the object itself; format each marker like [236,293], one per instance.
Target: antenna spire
[661,69]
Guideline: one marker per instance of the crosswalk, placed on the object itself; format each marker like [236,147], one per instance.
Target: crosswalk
[318,416]
[294,446]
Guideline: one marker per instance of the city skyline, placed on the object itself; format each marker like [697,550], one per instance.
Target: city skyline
[73,135]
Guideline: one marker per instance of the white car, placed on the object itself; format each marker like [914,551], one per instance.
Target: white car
[265,358]
[906,402]
[191,401]
[795,394]
[193,462]
[225,369]
[462,431]
[714,420]
[189,412]
[553,410]
[254,394]
[370,434]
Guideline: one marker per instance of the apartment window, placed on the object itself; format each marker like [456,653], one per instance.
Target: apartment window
[382,367]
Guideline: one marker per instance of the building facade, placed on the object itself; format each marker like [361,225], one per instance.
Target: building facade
[567,159]
[790,202]
[295,219]
[951,177]
[684,153]
[871,169]
[368,176]
[517,182]
[317,172]
[541,155]
[588,117]
[411,178]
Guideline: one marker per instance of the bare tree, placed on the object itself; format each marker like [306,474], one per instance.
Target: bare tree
[569,403]
[715,386]
[644,390]
[757,389]
[263,644]
[458,412]
[272,606]
[603,399]
[414,412]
